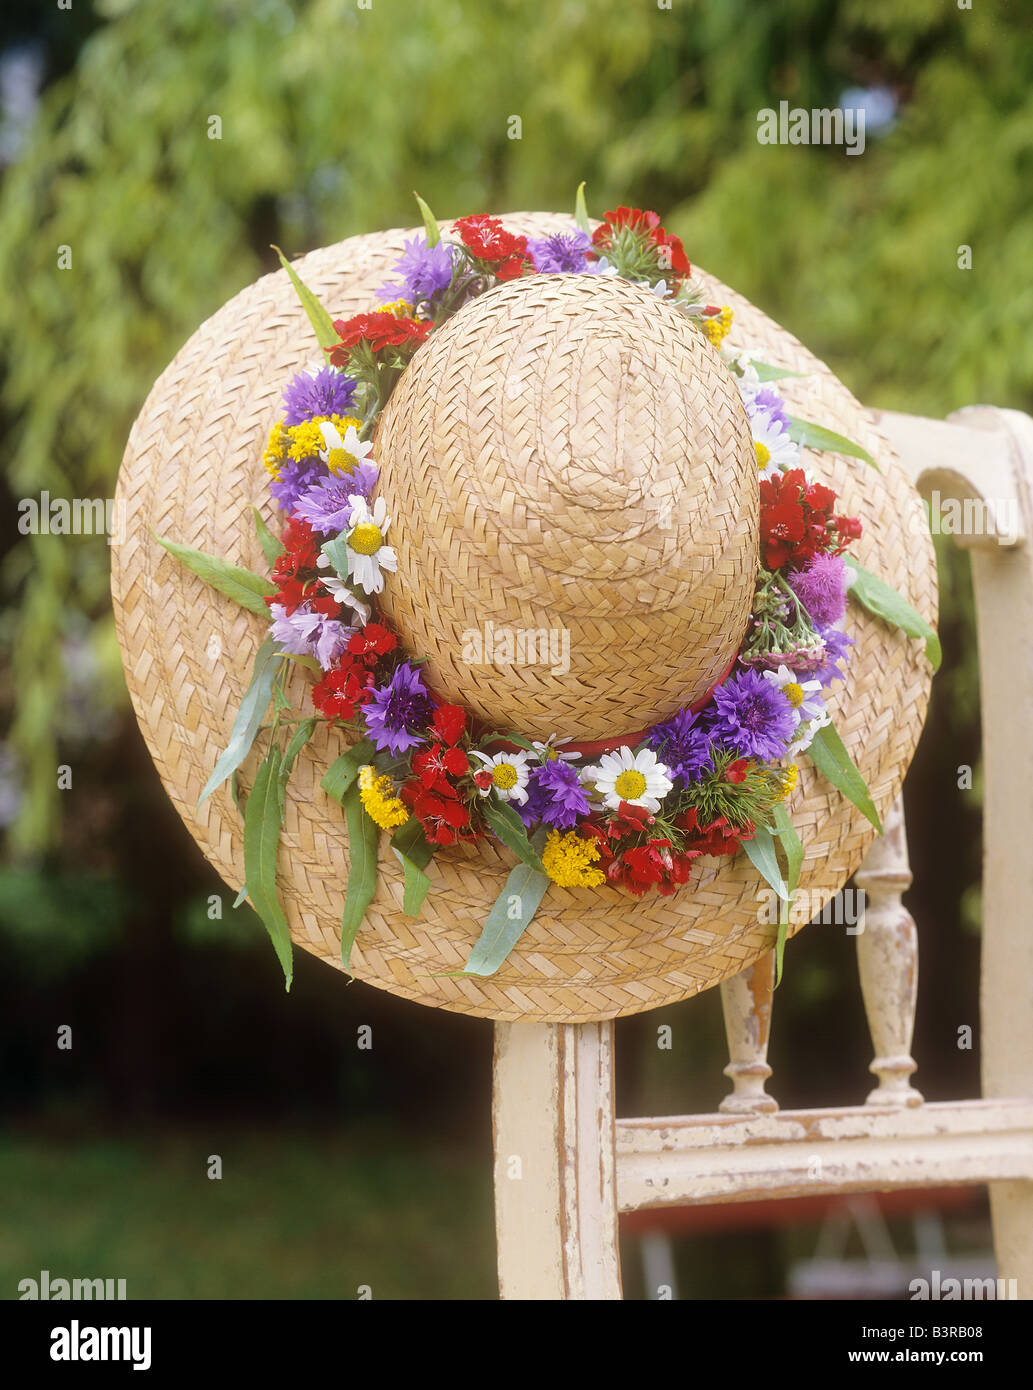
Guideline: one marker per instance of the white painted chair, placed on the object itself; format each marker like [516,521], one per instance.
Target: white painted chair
[553,1107]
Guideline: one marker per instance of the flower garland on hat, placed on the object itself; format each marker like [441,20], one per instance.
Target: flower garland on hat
[709,780]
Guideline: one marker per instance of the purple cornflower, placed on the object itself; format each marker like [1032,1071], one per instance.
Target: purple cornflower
[305,633]
[294,478]
[314,394]
[771,402]
[684,745]
[752,717]
[558,796]
[836,644]
[560,253]
[425,271]
[395,710]
[327,506]
[821,588]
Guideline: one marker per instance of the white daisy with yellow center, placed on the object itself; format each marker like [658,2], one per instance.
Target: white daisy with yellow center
[509,775]
[367,553]
[640,779]
[772,446]
[552,749]
[807,703]
[341,592]
[342,453]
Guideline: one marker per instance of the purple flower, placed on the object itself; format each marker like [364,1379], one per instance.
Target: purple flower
[684,745]
[326,506]
[771,402]
[821,588]
[425,271]
[556,795]
[395,710]
[751,717]
[562,252]
[294,478]
[836,644]
[314,394]
[305,633]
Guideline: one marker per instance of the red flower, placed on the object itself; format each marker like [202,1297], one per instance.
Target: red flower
[380,330]
[483,779]
[449,723]
[435,765]
[848,528]
[489,241]
[719,837]
[736,772]
[374,639]
[669,249]
[300,550]
[345,686]
[781,526]
[444,818]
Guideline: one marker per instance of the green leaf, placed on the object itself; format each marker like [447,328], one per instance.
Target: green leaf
[241,896]
[508,826]
[252,707]
[261,842]
[874,594]
[761,853]
[241,585]
[272,549]
[322,324]
[792,848]
[766,372]
[414,853]
[829,755]
[813,436]
[302,734]
[430,222]
[581,210]
[363,835]
[513,910]
[339,776]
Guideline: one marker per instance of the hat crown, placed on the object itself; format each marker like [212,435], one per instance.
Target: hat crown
[573,491]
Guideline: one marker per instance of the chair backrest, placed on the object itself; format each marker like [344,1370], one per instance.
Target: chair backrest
[565,1166]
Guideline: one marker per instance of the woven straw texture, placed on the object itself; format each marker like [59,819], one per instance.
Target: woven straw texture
[192,470]
[570,458]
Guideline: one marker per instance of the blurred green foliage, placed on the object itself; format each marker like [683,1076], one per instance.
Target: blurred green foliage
[332,114]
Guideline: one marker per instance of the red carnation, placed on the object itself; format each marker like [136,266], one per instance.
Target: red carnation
[374,639]
[448,723]
[487,239]
[345,686]
[380,330]
[736,772]
[435,765]
[781,526]
[444,818]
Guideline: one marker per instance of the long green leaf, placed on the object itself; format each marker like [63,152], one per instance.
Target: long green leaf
[430,222]
[766,372]
[241,585]
[513,910]
[261,842]
[252,707]
[813,436]
[342,772]
[883,602]
[508,826]
[792,848]
[414,852]
[761,853]
[829,755]
[322,324]
[272,549]
[581,209]
[302,734]
[363,835]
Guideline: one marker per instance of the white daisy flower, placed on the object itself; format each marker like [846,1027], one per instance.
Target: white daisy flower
[772,445]
[550,750]
[367,553]
[342,454]
[637,778]
[804,736]
[509,774]
[804,696]
[341,591]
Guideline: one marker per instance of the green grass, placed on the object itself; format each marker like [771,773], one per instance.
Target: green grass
[292,1217]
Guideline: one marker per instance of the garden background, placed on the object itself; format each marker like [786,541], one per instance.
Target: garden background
[344,1167]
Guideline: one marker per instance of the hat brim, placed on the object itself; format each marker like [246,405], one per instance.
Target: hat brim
[192,470]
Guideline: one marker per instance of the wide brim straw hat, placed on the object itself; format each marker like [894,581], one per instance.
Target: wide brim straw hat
[565,455]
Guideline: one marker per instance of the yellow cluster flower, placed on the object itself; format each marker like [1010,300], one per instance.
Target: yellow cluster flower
[399,307]
[306,439]
[378,799]
[790,777]
[716,327]
[276,449]
[568,859]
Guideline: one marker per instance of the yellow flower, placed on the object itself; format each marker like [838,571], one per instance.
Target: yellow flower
[790,777]
[399,307]
[568,858]
[306,439]
[275,450]
[378,799]
[717,326]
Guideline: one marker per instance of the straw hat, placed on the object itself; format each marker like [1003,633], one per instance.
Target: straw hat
[565,455]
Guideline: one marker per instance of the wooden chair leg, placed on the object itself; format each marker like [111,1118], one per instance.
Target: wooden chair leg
[555,1164]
